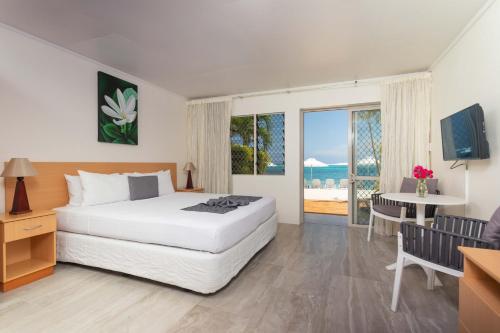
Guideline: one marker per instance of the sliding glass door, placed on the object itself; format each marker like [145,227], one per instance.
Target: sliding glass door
[366,148]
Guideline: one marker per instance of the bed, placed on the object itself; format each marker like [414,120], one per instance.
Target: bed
[153,238]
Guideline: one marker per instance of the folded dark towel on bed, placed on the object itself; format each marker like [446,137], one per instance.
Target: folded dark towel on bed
[223,205]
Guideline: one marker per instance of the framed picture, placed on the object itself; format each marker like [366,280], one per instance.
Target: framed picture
[118,106]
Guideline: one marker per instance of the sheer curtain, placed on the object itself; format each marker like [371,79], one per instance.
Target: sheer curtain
[405,116]
[208,125]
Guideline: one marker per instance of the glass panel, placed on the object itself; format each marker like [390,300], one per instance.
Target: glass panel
[367,145]
[363,191]
[271,144]
[242,145]
[368,140]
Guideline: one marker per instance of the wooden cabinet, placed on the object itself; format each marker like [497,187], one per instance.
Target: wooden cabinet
[479,295]
[28,248]
[196,189]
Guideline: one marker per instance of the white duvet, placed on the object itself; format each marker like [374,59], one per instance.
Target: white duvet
[161,221]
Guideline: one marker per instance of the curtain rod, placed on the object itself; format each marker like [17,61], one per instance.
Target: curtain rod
[337,85]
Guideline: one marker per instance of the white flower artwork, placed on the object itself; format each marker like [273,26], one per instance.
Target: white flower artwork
[117,110]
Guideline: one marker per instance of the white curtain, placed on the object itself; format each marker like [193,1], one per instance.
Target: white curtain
[405,116]
[209,147]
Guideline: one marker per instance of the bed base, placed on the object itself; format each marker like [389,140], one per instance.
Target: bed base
[200,271]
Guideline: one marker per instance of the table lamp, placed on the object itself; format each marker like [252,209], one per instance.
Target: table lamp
[189,167]
[19,168]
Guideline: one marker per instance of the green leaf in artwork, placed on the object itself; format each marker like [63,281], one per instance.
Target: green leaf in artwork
[106,137]
[129,92]
[112,130]
[130,141]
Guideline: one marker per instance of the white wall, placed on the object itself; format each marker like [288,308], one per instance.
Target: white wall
[287,188]
[470,73]
[48,108]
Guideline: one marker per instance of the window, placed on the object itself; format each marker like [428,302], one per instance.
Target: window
[271,144]
[269,157]
[242,145]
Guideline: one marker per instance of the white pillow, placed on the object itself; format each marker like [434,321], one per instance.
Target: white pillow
[101,188]
[74,190]
[165,185]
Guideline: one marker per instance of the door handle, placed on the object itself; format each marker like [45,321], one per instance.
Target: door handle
[352,178]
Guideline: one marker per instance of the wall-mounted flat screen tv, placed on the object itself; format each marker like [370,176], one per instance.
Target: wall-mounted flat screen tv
[464,135]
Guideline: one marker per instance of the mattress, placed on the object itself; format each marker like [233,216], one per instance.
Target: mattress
[161,221]
[200,271]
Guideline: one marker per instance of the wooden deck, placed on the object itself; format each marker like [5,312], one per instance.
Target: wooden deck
[326,207]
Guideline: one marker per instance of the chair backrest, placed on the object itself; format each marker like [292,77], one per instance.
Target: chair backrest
[344,183]
[316,183]
[330,183]
[492,230]
[409,185]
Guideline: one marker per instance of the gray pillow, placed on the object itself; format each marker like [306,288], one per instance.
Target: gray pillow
[491,232]
[143,187]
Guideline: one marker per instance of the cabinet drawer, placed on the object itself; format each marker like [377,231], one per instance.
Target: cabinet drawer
[29,227]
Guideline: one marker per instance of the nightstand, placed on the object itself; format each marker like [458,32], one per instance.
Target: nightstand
[28,248]
[196,189]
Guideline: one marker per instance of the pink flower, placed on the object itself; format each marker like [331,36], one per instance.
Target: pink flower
[419,172]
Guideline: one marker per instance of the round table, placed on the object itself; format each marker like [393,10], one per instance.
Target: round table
[431,199]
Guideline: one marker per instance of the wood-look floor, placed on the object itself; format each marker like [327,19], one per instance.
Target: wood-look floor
[314,278]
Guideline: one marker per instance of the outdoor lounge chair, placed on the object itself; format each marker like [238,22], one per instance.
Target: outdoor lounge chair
[436,248]
[330,183]
[316,183]
[399,211]
[344,183]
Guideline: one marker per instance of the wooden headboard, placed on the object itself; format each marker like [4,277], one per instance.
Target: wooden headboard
[48,189]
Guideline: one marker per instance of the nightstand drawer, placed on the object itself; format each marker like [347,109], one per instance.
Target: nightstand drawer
[29,227]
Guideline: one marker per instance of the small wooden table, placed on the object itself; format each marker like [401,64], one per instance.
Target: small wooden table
[27,248]
[479,291]
[196,189]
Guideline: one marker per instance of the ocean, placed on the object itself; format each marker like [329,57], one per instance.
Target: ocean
[336,172]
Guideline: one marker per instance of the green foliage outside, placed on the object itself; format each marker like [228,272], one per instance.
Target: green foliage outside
[242,155]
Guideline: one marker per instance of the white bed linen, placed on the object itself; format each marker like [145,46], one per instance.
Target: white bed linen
[203,272]
[161,221]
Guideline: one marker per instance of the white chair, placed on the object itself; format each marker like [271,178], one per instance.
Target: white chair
[330,183]
[399,211]
[436,248]
[316,183]
[344,183]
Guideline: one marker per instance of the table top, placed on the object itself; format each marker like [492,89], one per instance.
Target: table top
[487,260]
[6,218]
[431,199]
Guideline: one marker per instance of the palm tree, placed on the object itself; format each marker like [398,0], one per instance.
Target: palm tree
[243,126]
[264,128]
[368,116]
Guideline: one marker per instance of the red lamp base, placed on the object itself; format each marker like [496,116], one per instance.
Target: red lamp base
[20,204]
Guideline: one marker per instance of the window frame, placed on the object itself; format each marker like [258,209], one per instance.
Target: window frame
[255,143]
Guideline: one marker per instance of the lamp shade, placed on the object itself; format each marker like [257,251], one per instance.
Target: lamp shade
[18,167]
[189,167]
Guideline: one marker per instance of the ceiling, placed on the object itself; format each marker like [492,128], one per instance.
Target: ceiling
[200,48]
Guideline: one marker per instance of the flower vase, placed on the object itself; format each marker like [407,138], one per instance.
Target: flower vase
[422,188]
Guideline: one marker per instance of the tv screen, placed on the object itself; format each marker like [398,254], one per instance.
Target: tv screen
[464,135]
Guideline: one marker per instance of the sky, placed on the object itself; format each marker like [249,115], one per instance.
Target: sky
[325,136]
